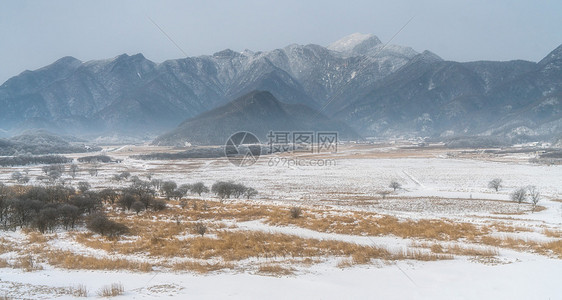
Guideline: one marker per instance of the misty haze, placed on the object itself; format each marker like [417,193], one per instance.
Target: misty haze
[280,150]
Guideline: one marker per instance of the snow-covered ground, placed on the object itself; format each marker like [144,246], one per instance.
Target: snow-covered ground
[433,187]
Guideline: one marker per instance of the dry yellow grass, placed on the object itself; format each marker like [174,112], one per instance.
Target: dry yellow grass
[275,270]
[113,290]
[464,250]
[548,248]
[239,245]
[27,263]
[79,291]
[501,227]
[7,246]
[331,221]
[69,260]
[169,234]
[553,233]
[201,268]
[34,237]
[471,251]
[555,247]
[4,263]
[375,225]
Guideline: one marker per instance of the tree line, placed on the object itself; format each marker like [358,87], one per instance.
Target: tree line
[25,160]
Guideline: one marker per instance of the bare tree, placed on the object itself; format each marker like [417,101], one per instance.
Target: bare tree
[383,193]
[395,185]
[93,171]
[73,169]
[156,183]
[199,188]
[126,201]
[519,195]
[16,175]
[495,184]
[250,192]
[184,189]
[54,175]
[83,186]
[168,188]
[534,195]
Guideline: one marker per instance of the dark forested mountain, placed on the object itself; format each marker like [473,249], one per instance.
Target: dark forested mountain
[42,142]
[258,112]
[378,90]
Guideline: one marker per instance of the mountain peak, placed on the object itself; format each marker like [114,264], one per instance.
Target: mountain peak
[258,112]
[355,43]
[555,54]
[261,100]
[427,56]
[226,53]
[67,60]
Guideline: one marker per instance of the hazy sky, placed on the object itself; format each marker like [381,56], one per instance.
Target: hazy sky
[36,33]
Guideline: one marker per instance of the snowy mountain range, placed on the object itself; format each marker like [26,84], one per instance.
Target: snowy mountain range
[379,90]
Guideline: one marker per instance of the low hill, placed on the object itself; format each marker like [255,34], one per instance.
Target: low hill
[258,112]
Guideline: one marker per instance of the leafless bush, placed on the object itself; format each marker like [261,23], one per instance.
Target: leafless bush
[102,225]
[137,206]
[383,193]
[158,205]
[113,290]
[295,212]
[200,228]
[83,186]
[79,291]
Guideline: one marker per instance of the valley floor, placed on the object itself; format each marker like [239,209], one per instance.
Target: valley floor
[443,235]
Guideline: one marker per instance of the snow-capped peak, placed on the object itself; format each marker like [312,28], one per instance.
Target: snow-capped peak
[353,41]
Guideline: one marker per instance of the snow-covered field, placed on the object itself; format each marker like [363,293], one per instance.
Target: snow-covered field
[434,187]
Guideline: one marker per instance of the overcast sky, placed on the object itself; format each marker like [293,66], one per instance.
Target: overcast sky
[36,33]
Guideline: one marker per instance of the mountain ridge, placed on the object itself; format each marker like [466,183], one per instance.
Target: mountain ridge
[373,88]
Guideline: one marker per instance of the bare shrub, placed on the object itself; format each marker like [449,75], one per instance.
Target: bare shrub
[137,206]
[295,212]
[383,193]
[126,201]
[113,290]
[79,291]
[102,225]
[183,203]
[200,228]
[83,186]
[158,205]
